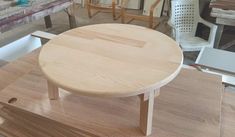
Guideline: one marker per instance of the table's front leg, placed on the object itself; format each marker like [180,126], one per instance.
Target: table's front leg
[146,112]
[53,90]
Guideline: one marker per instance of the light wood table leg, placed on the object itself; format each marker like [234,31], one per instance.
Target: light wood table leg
[146,112]
[53,91]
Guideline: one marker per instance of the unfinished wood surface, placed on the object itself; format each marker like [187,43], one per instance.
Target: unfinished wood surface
[223,4]
[43,35]
[188,107]
[228,113]
[105,60]
[14,15]
[146,112]
[224,14]
[14,70]
[152,23]
[18,123]
[98,7]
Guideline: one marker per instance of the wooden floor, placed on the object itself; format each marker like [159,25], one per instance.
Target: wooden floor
[228,113]
[2,63]
[189,106]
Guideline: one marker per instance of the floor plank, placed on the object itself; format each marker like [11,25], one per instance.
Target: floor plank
[228,113]
[2,63]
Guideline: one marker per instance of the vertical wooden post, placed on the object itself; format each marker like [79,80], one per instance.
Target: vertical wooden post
[88,4]
[48,22]
[114,9]
[72,21]
[146,112]
[123,10]
[53,91]
[72,16]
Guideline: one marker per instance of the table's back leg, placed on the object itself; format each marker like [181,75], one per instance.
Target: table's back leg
[146,112]
[53,91]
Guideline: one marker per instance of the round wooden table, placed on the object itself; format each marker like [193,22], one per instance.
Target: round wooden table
[112,60]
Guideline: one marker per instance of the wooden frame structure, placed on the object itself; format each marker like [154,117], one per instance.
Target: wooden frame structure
[16,15]
[149,19]
[94,4]
[224,12]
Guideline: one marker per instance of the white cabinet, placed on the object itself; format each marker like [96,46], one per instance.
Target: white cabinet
[147,6]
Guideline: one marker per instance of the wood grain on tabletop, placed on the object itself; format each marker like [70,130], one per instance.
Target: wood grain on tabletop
[112,60]
[188,106]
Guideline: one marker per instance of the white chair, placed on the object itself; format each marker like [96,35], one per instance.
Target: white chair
[184,20]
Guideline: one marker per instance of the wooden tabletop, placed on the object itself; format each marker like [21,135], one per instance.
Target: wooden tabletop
[111,60]
[223,4]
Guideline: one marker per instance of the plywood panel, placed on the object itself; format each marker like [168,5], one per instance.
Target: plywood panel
[223,4]
[187,107]
[228,113]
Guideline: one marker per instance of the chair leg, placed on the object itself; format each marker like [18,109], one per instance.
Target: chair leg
[114,9]
[151,19]
[123,10]
[123,16]
[89,8]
